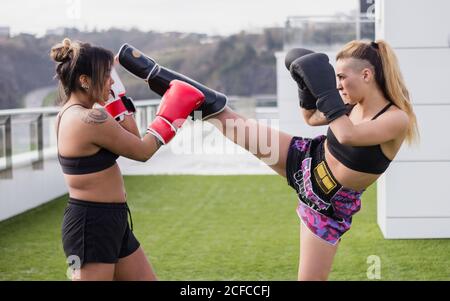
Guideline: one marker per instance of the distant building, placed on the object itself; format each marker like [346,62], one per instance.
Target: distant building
[4,32]
[64,31]
[327,34]
[59,31]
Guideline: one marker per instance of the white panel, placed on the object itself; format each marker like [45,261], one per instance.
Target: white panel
[381,202]
[30,188]
[416,189]
[417,228]
[413,201]
[434,144]
[426,73]
[413,23]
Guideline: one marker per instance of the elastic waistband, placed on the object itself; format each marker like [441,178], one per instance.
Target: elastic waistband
[322,158]
[323,177]
[121,205]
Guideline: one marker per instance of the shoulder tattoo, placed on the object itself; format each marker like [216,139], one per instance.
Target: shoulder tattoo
[95,116]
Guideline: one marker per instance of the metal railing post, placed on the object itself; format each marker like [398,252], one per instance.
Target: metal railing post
[39,163]
[143,120]
[6,172]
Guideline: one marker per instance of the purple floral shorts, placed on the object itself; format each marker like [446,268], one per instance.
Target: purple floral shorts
[325,206]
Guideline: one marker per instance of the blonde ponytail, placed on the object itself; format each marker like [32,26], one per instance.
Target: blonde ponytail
[396,88]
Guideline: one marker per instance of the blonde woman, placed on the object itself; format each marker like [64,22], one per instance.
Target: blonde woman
[369,114]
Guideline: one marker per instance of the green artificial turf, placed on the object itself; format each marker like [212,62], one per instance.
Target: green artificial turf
[220,228]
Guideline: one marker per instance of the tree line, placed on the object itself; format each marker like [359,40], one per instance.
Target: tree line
[241,64]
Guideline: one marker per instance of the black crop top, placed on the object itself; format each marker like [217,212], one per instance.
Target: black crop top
[99,161]
[368,159]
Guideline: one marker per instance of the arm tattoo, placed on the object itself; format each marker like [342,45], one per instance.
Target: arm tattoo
[158,143]
[95,116]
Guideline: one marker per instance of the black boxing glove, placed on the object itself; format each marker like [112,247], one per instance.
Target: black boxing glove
[318,75]
[306,99]
[159,78]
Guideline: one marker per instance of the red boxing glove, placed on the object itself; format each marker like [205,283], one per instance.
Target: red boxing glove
[115,105]
[177,103]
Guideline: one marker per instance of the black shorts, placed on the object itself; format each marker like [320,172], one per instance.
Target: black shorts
[97,232]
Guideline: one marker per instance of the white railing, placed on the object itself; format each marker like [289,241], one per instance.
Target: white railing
[30,174]
[27,136]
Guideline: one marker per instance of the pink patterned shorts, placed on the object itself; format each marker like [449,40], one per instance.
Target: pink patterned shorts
[325,206]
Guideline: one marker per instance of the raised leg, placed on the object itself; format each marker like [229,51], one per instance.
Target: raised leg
[267,144]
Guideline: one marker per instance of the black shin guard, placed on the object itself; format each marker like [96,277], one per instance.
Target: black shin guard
[159,78]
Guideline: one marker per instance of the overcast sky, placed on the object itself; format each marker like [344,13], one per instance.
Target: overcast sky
[206,16]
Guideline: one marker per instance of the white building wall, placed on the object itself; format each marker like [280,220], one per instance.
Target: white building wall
[413,201]
[30,188]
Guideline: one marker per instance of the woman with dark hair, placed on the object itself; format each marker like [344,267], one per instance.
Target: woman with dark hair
[97,238]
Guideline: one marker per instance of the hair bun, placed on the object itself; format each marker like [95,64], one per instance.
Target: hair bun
[66,43]
[61,52]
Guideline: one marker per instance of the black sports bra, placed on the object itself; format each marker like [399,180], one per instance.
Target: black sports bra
[368,159]
[99,161]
